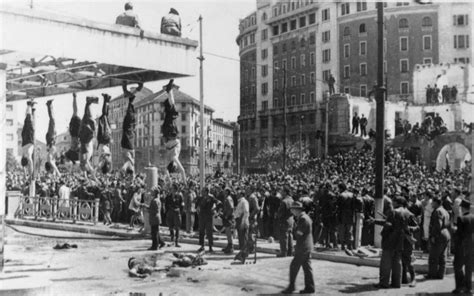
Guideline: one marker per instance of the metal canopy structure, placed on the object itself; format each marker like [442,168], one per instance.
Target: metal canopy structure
[73,54]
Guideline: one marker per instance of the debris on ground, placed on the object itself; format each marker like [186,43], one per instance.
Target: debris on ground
[245,289]
[191,280]
[65,246]
[366,252]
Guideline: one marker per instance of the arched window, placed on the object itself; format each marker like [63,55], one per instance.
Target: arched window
[264,16]
[403,23]
[426,22]
[347,31]
[362,28]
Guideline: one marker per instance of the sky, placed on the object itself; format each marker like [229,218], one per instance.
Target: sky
[220,29]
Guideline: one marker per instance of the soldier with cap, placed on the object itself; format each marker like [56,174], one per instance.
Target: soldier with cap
[464,246]
[228,220]
[206,208]
[285,219]
[439,237]
[303,248]
[174,206]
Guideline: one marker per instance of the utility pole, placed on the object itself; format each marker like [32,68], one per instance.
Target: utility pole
[380,126]
[326,128]
[202,157]
[285,124]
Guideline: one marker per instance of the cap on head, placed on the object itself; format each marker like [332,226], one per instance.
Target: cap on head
[174,11]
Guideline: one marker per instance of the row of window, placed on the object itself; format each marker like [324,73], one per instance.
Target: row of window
[312,41]
[294,24]
[404,89]
[293,63]
[404,67]
[283,8]
[402,24]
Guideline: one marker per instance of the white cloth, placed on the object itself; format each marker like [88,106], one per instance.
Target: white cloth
[242,211]
[64,194]
[427,211]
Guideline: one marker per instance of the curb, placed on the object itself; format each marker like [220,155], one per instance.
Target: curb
[86,229]
[219,242]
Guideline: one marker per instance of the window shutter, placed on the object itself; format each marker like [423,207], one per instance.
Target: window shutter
[455,20]
[455,42]
[467,41]
[466,19]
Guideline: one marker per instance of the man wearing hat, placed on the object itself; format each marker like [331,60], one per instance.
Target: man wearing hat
[463,250]
[303,248]
[439,240]
[285,219]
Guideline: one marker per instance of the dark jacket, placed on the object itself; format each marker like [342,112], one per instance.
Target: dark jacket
[155,212]
[27,133]
[303,235]
[464,234]
[396,229]
[346,207]
[439,225]
[206,206]
[284,214]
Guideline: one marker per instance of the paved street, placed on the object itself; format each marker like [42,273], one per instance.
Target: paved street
[99,267]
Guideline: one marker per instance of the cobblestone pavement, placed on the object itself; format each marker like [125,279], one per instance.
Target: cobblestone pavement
[99,267]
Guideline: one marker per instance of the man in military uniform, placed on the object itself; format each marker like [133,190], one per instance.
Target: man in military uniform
[346,212]
[393,235]
[463,250]
[411,225]
[174,206]
[206,206]
[254,209]
[155,219]
[303,248]
[439,240]
[285,218]
[228,220]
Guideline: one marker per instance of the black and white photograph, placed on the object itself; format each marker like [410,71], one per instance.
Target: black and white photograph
[236,147]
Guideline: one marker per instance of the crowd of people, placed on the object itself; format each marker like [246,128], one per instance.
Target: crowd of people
[333,191]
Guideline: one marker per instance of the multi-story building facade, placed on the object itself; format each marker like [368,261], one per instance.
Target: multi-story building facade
[150,147]
[288,50]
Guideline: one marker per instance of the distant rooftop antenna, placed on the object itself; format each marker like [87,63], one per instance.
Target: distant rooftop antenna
[31,4]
